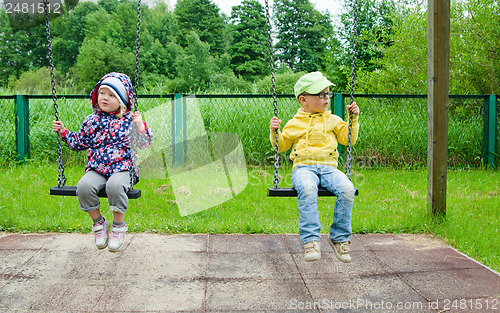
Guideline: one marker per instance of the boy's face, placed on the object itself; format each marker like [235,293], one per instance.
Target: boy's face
[313,104]
[107,100]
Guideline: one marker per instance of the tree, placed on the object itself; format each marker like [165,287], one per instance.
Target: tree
[474,47]
[158,57]
[402,68]
[374,28]
[94,63]
[248,48]
[12,60]
[202,17]
[66,44]
[302,35]
[195,65]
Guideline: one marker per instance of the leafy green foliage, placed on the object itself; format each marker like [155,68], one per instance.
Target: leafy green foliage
[248,49]
[202,17]
[36,82]
[92,39]
[474,57]
[403,68]
[302,35]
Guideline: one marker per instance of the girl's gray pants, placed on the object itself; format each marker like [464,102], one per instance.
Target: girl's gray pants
[116,188]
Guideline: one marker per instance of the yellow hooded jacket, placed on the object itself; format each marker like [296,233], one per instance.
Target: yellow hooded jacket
[315,137]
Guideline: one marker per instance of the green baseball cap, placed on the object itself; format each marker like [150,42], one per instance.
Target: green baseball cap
[312,83]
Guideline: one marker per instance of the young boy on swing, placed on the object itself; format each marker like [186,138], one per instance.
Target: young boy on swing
[315,134]
[105,134]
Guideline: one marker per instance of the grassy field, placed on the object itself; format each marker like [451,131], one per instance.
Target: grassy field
[390,201]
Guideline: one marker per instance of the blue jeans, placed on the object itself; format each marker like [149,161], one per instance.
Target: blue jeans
[306,179]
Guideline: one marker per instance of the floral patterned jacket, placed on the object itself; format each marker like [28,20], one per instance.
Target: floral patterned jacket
[107,137]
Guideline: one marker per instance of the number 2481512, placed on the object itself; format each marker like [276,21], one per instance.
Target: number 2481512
[31,8]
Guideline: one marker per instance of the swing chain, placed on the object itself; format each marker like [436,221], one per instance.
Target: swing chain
[61,178]
[133,130]
[275,101]
[351,85]
[137,46]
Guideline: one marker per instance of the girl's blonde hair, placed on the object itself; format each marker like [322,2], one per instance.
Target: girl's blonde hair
[122,111]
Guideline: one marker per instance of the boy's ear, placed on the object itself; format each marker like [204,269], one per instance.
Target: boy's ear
[302,100]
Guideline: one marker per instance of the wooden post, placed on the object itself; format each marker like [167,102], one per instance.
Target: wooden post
[438,102]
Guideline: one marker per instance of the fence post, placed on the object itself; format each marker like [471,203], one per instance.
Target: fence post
[22,128]
[178,129]
[339,109]
[491,130]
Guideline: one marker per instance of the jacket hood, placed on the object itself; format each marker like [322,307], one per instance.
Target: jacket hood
[124,79]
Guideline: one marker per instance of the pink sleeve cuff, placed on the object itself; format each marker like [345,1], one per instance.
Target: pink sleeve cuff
[64,133]
[145,127]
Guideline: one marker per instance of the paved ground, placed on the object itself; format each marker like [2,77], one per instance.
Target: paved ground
[239,273]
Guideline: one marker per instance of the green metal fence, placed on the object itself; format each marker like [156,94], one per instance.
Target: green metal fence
[26,130]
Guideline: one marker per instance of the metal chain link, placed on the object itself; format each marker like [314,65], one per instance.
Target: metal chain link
[61,178]
[275,101]
[133,131]
[137,47]
[352,84]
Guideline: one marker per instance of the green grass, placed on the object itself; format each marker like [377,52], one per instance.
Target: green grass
[390,201]
[393,132]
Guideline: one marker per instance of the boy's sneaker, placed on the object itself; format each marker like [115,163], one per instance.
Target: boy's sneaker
[101,234]
[341,250]
[312,251]
[116,237]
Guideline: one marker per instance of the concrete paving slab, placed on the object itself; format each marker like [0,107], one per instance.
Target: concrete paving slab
[255,295]
[423,260]
[379,242]
[177,243]
[455,283]
[153,296]
[50,295]
[25,242]
[367,294]
[13,260]
[244,244]
[256,266]
[239,273]
[161,264]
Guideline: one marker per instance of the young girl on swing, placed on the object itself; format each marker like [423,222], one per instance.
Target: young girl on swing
[315,133]
[105,134]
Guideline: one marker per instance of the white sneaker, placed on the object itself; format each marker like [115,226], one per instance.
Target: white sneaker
[116,238]
[341,250]
[101,234]
[312,251]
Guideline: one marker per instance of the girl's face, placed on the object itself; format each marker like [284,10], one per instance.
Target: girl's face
[107,100]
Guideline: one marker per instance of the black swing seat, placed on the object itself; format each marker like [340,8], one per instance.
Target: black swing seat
[291,192]
[71,191]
